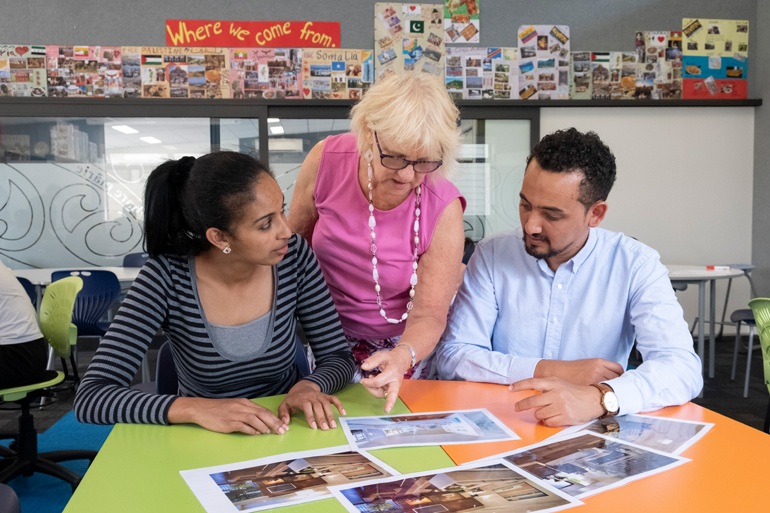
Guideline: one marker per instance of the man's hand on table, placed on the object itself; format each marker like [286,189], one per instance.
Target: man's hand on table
[561,403]
[307,396]
[579,372]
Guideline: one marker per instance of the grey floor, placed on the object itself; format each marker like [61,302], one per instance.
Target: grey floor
[720,394]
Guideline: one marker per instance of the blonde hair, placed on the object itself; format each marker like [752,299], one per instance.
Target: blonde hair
[415,113]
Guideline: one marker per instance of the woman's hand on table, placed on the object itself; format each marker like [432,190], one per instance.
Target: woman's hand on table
[226,415]
[393,365]
[307,396]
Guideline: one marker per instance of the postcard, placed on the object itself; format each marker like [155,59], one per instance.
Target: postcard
[283,479]
[461,21]
[494,486]
[417,429]
[585,463]
[672,436]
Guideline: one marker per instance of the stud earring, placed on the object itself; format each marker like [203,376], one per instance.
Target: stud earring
[227,250]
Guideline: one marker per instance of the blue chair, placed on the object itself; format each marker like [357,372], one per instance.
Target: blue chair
[100,291]
[135,259]
[29,289]
[300,357]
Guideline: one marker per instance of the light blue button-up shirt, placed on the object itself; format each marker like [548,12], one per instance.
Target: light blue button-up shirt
[512,311]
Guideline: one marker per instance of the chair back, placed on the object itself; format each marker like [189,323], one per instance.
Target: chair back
[135,259]
[100,291]
[56,310]
[300,357]
[166,378]
[761,308]
[29,289]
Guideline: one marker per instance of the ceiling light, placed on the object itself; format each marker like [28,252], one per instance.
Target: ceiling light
[150,140]
[276,130]
[125,129]
[273,120]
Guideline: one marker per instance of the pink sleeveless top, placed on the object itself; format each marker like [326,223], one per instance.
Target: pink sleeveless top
[342,241]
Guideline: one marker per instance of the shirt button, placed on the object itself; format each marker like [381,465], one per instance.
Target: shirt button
[555,320]
[558,286]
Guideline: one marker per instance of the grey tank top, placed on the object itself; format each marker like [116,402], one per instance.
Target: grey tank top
[240,343]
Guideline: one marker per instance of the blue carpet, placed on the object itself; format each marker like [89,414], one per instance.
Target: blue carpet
[45,494]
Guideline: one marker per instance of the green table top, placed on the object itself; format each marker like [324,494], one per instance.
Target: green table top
[137,469]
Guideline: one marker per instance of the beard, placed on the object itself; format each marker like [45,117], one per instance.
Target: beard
[542,252]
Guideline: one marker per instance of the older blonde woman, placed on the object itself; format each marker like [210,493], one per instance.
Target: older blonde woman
[386,226]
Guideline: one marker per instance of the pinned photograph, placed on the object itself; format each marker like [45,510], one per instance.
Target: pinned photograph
[418,429]
[283,479]
[491,487]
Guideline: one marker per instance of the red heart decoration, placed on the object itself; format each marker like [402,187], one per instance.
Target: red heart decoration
[336,95]
[413,7]
[306,91]
[21,50]
[661,38]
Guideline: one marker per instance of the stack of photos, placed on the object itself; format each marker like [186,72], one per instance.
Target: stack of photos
[417,429]
[503,65]
[282,480]
[672,436]
[465,72]
[22,70]
[544,62]
[490,487]
[586,463]
[84,71]
[658,65]
[408,37]
[580,68]
[461,21]
[336,74]
[715,58]
[268,73]
[178,72]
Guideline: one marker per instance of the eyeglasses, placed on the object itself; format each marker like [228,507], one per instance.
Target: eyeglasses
[399,163]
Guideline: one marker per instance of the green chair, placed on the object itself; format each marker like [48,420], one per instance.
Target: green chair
[21,457]
[761,308]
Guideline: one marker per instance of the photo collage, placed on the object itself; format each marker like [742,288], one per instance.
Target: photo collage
[176,72]
[716,54]
[478,73]
[408,37]
[461,21]
[544,62]
[612,75]
[84,71]
[23,71]
[658,65]
[331,74]
[265,73]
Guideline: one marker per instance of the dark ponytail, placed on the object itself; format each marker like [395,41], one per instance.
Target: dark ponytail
[184,198]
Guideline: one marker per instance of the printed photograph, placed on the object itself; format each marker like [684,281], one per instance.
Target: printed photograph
[493,487]
[465,426]
[585,464]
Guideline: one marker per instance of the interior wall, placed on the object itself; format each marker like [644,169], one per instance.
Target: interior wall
[684,184]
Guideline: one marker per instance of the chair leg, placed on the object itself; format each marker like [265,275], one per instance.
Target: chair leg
[767,419]
[5,452]
[57,456]
[748,362]
[17,468]
[55,470]
[73,361]
[724,310]
[735,350]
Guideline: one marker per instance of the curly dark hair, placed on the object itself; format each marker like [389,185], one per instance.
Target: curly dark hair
[570,151]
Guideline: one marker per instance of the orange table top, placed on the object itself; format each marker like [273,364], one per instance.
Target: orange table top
[727,471]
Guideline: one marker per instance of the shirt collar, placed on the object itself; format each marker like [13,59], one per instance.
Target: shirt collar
[576,261]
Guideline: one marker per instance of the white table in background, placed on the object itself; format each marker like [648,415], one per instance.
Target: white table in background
[700,275]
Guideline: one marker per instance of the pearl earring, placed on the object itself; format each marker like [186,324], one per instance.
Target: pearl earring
[227,250]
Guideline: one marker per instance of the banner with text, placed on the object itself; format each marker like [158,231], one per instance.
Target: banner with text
[253,34]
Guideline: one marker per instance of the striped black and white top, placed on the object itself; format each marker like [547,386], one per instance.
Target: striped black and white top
[162,297]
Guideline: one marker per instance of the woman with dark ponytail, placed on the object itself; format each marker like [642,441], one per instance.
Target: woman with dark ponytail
[226,281]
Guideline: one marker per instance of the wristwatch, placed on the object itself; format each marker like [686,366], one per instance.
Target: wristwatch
[609,400]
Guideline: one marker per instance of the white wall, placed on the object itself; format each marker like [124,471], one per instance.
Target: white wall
[684,184]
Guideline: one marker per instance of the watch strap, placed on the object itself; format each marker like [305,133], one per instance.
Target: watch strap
[604,389]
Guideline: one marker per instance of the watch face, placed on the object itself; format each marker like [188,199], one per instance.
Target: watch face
[611,402]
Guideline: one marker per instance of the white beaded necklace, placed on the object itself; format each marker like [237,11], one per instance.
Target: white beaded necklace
[372,224]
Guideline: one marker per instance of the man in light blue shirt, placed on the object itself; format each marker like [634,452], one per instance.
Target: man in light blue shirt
[555,305]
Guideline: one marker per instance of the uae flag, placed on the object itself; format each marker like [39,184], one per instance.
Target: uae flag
[152,60]
[81,51]
[240,54]
[38,50]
